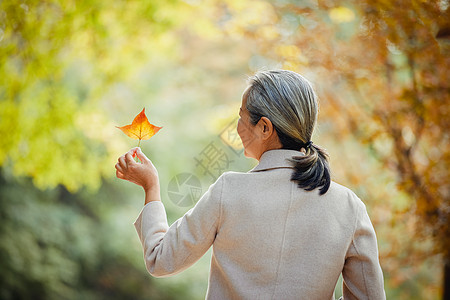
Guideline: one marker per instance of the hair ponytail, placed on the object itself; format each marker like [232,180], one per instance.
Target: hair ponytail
[289,101]
[312,170]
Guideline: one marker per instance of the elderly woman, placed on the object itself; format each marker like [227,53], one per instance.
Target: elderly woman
[283,230]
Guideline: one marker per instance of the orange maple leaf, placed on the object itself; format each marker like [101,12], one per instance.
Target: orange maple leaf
[140,128]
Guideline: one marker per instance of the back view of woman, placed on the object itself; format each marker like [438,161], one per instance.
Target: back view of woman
[283,230]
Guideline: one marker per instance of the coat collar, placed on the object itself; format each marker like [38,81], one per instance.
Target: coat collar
[274,159]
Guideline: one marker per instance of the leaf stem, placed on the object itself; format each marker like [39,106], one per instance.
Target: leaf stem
[136,158]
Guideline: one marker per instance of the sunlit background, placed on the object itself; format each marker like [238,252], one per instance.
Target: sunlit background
[71,71]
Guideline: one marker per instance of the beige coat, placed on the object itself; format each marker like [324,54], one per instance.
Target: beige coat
[271,239]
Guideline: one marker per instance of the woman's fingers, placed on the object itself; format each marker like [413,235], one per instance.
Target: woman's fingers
[144,174]
[119,174]
[132,151]
[137,152]
[129,159]
[123,163]
[142,157]
[118,168]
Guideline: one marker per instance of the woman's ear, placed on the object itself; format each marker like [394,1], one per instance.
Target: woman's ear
[265,128]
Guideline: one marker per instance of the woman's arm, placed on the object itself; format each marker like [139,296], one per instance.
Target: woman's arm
[362,274]
[170,250]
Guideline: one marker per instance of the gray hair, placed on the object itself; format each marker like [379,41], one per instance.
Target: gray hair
[288,100]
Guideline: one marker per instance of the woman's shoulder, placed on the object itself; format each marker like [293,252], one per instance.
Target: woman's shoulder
[229,177]
[234,176]
[253,179]
[239,181]
[341,193]
[337,193]
[338,188]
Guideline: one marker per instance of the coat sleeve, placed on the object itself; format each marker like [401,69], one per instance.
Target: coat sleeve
[170,250]
[362,274]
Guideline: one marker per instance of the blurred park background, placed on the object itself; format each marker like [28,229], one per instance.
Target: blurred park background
[70,71]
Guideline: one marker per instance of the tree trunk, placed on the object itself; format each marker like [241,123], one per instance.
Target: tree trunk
[446,283]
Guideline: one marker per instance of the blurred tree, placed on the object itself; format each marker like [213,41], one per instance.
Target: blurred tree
[384,79]
[68,67]
[56,245]
[57,58]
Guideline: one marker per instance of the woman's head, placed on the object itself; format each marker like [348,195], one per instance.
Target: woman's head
[286,102]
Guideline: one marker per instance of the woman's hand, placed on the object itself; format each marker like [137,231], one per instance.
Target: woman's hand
[143,174]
